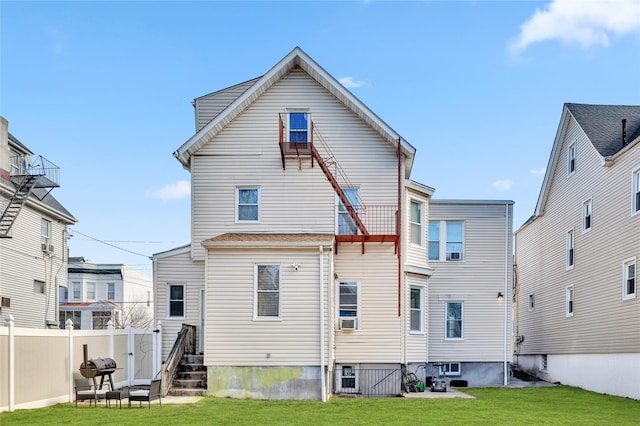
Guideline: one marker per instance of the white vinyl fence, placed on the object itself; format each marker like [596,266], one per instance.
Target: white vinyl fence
[37,366]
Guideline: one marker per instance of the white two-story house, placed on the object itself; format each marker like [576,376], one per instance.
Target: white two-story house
[578,314]
[33,235]
[99,293]
[308,269]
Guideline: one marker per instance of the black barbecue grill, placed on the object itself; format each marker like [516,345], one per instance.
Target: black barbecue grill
[97,367]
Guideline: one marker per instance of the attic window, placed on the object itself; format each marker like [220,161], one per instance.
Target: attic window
[298,126]
[571,159]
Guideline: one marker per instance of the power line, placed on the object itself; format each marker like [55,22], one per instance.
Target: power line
[109,244]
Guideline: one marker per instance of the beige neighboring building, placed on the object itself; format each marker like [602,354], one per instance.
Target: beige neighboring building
[33,235]
[308,269]
[578,311]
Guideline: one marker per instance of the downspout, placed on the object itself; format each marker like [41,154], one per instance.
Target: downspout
[506,294]
[399,230]
[322,363]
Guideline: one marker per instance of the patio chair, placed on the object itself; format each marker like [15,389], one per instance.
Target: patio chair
[85,391]
[147,395]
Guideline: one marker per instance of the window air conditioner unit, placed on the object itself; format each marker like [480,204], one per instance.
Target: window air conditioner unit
[453,256]
[348,323]
[5,302]
[47,248]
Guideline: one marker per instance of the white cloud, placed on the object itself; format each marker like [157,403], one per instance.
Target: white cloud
[586,23]
[349,82]
[503,185]
[173,191]
[535,171]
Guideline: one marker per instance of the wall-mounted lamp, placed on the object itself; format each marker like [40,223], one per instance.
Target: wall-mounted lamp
[500,296]
[296,265]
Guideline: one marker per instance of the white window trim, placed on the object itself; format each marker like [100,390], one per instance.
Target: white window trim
[237,198]
[113,285]
[45,239]
[420,224]
[588,202]
[569,158]
[635,183]
[447,366]
[358,307]
[570,244]
[256,317]
[570,289]
[356,368]
[625,295]
[89,283]
[454,339]
[184,302]
[41,284]
[531,302]
[422,304]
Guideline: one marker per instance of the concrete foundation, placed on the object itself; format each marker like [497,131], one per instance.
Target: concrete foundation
[477,374]
[265,382]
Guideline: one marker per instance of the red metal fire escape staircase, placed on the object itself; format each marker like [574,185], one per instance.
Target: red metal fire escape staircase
[43,174]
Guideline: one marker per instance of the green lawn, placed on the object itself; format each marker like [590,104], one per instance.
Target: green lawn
[552,405]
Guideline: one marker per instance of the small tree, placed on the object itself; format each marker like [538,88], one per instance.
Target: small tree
[135,313]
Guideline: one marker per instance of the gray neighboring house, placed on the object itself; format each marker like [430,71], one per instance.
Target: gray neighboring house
[33,235]
[577,310]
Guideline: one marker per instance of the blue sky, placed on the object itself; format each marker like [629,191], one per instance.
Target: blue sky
[104,90]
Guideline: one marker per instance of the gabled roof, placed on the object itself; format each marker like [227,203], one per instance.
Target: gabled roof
[602,124]
[297,57]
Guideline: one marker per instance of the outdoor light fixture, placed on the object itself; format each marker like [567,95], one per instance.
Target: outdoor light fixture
[296,265]
[500,296]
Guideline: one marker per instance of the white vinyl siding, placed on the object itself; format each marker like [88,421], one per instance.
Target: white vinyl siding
[379,338]
[474,282]
[416,340]
[23,262]
[416,227]
[298,198]
[235,338]
[602,324]
[177,267]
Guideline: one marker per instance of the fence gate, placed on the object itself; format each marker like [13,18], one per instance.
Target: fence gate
[144,352]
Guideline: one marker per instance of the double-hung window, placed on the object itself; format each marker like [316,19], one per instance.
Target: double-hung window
[454,241]
[348,304]
[176,300]
[629,278]
[416,310]
[248,204]
[77,290]
[39,287]
[587,208]
[415,223]
[267,289]
[45,232]
[571,159]
[453,321]
[570,298]
[91,291]
[346,224]
[635,202]
[570,249]
[298,126]
[111,291]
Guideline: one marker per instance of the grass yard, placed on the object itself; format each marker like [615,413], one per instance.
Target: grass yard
[552,405]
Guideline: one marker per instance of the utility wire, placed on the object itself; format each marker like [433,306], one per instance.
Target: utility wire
[109,244]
